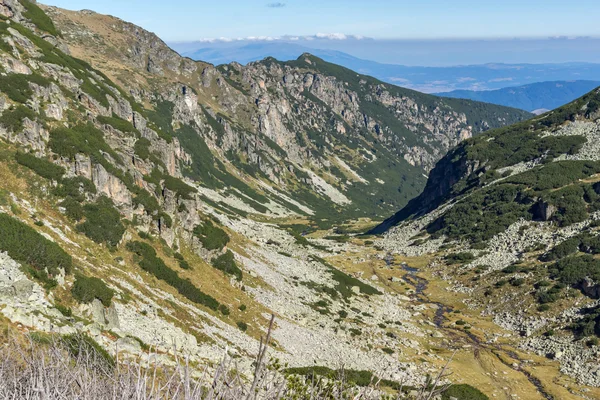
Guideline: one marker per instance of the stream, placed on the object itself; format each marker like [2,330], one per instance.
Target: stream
[420,285]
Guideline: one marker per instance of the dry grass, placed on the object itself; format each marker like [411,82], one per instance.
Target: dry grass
[48,369]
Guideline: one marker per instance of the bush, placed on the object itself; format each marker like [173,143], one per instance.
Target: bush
[119,124]
[39,18]
[80,343]
[64,310]
[460,258]
[226,263]
[102,222]
[76,188]
[40,166]
[151,263]
[463,392]
[12,119]
[224,309]
[16,86]
[178,186]
[211,236]
[86,289]
[25,245]
[242,325]
[142,148]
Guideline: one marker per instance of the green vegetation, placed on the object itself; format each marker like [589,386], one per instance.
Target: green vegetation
[17,86]
[211,236]
[345,283]
[82,344]
[12,119]
[463,392]
[358,378]
[75,188]
[142,148]
[86,289]
[25,245]
[151,263]
[102,222]
[39,18]
[242,325]
[42,167]
[178,186]
[82,139]
[119,124]
[226,263]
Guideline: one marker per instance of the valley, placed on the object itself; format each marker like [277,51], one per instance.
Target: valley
[166,209]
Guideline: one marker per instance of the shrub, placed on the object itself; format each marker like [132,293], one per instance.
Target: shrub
[224,309]
[242,307]
[75,188]
[12,119]
[39,18]
[27,246]
[119,124]
[102,222]
[387,350]
[40,166]
[211,236]
[151,263]
[242,325]
[517,282]
[178,186]
[16,86]
[64,310]
[226,263]
[80,343]
[463,392]
[460,258]
[149,202]
[86,289]
[142,148]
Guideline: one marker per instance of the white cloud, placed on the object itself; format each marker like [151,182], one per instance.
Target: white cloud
[318,36]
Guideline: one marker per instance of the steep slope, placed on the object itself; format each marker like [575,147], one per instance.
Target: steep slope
[123,216]
[517,208]
[532,97]
[343,145]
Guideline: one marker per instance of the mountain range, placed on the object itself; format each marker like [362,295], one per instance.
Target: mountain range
[490,76]
[536,97]
[174,229]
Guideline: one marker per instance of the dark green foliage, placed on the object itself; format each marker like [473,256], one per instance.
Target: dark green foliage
[242,325]
[178,186]
[12,119]
[556,174]
[573,269]
[73,209]
[84,139]
[460,258]
[38,17]
[40,166]
[226,263]
[86,289]
[358,378]
[27,246]
[344,282]
[102,222]
[223,309]
[151,263]
[463,392]
[83,345]
[119,124]
[148,201]
[484,214]
[142,148]
[589,324]
[16,86]
[184,265]
[568,247]
[211,236]
[64,310]
[75,187]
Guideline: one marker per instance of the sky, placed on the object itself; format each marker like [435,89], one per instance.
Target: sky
[192,20]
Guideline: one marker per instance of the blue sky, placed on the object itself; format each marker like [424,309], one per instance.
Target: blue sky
[189,20]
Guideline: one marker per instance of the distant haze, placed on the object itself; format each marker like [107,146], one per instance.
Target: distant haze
[473,72]
[421,52]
